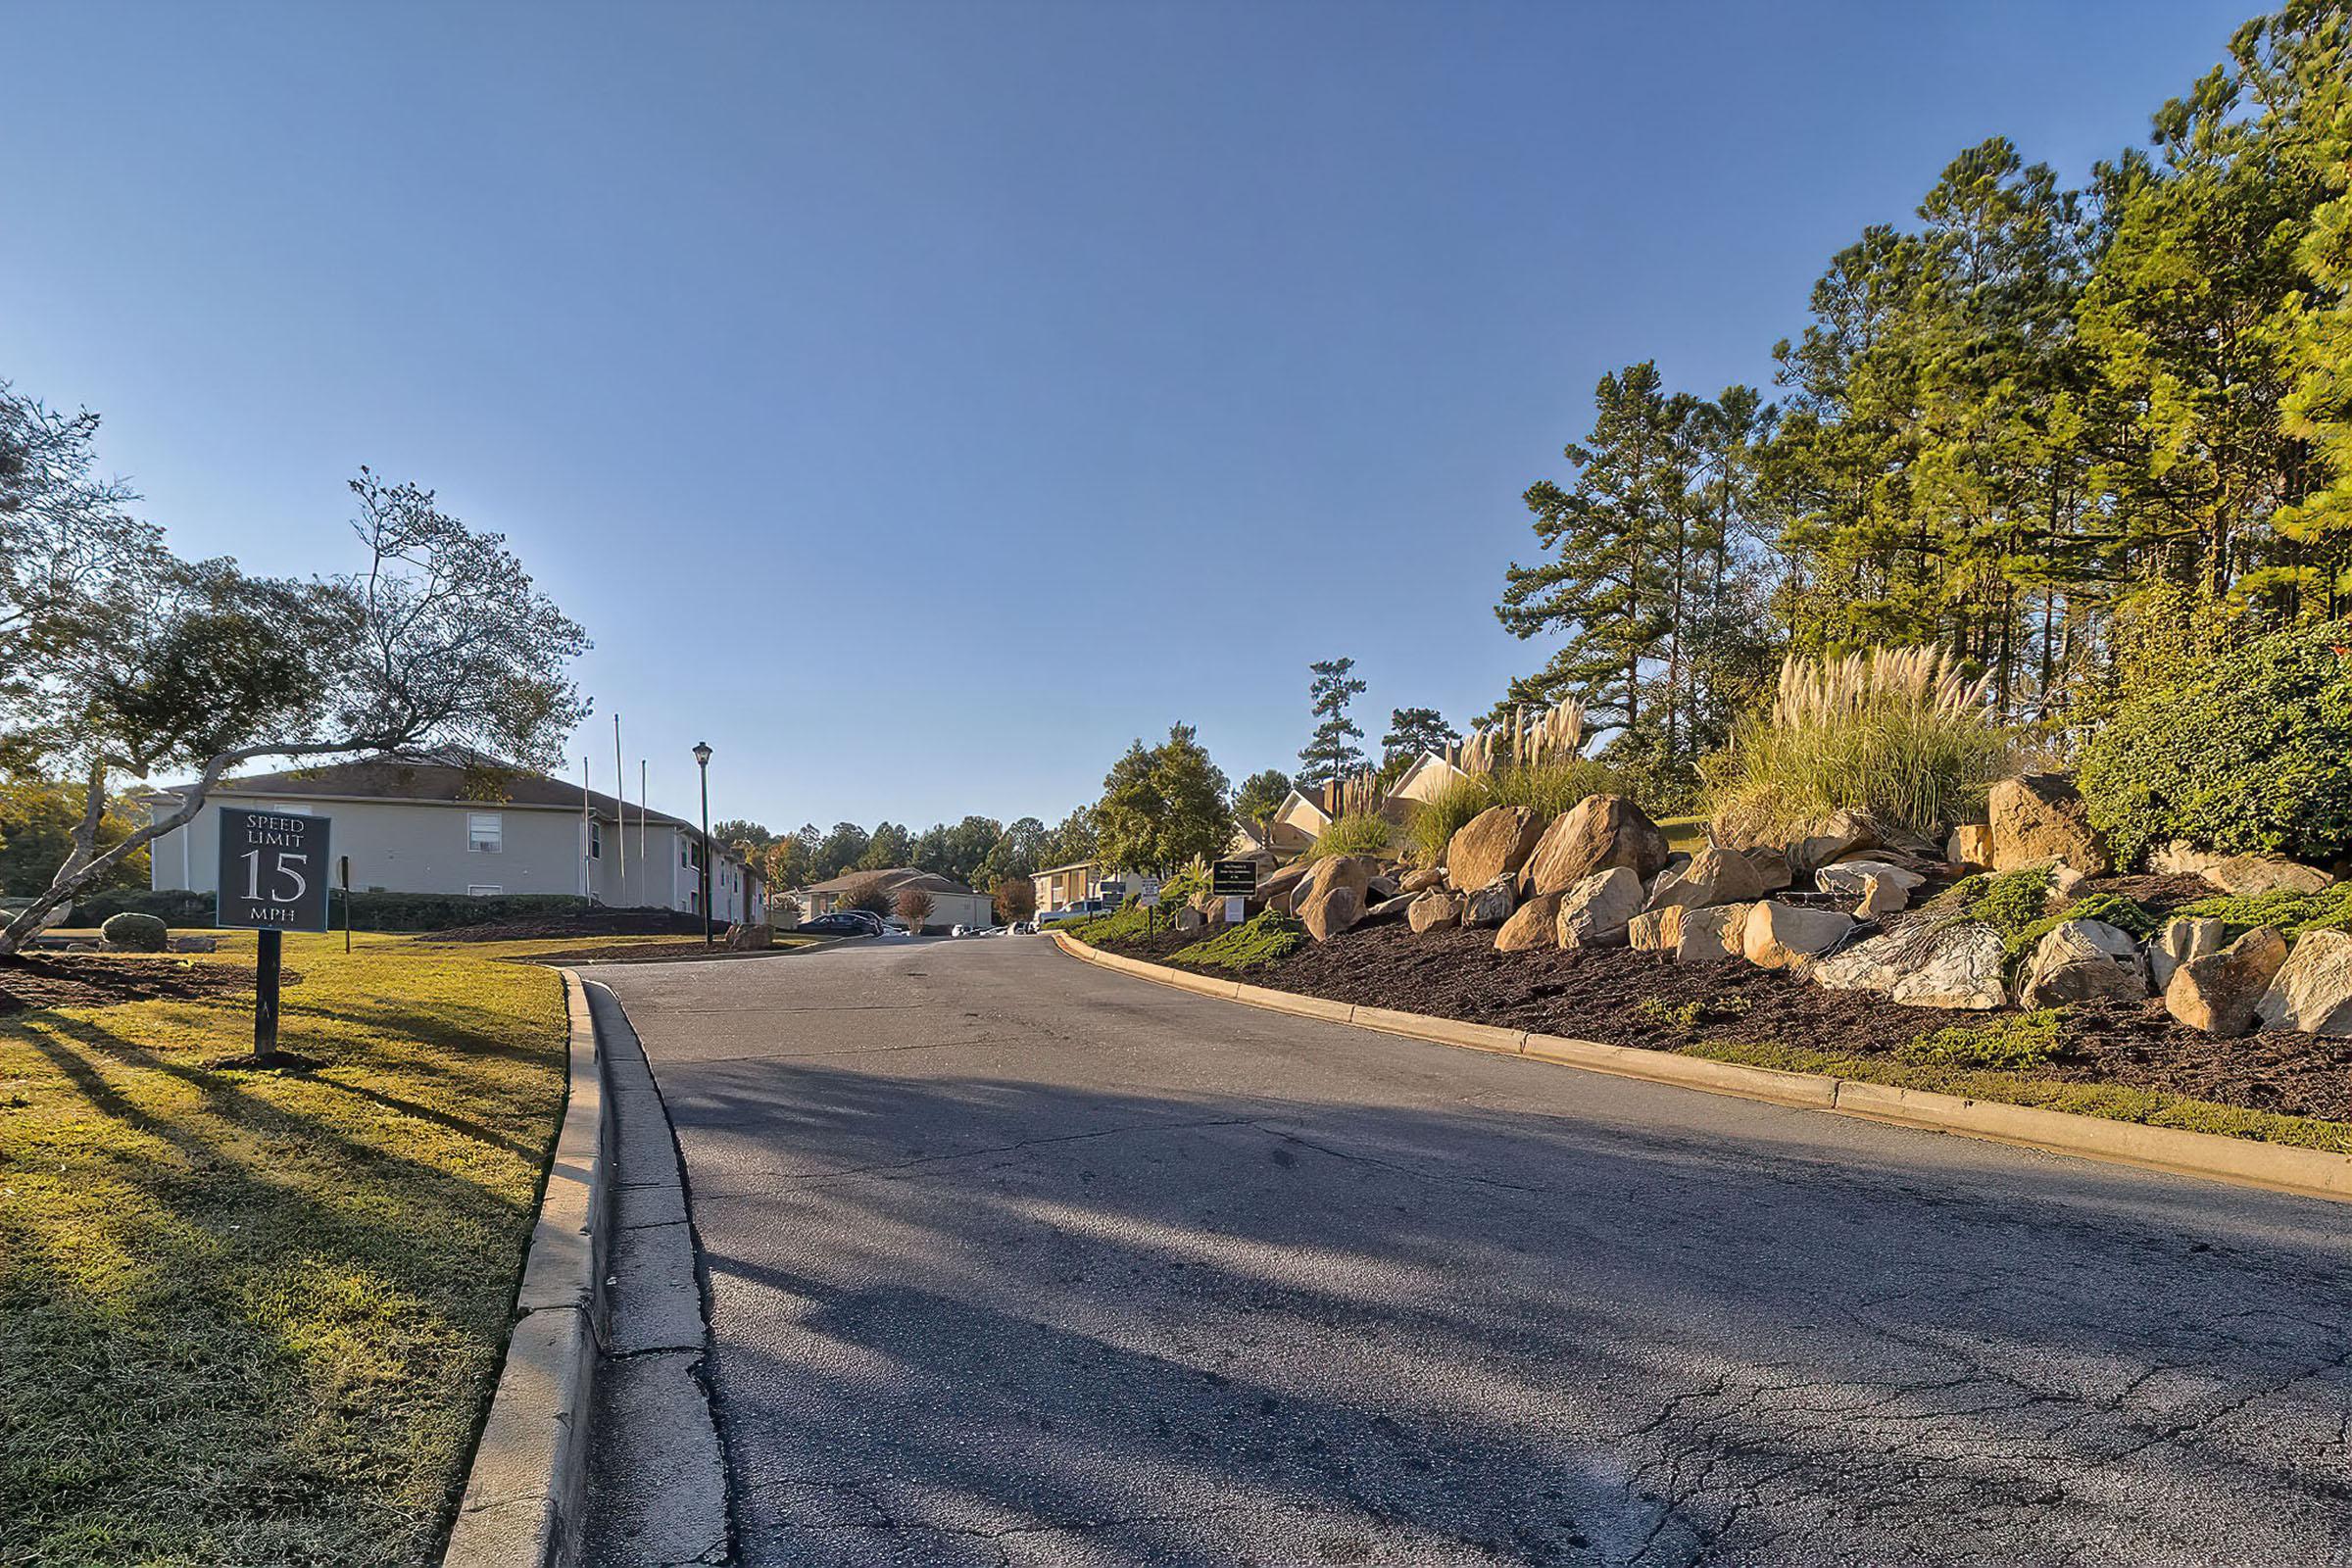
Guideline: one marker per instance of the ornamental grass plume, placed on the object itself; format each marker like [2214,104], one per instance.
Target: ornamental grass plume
[1900,733]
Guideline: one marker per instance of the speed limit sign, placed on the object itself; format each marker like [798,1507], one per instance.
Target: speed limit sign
[274,871]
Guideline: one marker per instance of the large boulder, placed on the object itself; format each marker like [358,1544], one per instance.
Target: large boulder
[2041,817]
[1280,891]
[1329,911]
[1655,930]
[1770,862]
[1492,905]
[2218,992]
[1596,911]
[1844,833]
[2246,876]
[1707,935]
[1354,871]
[1496,842]
[1386,909]
[1423,880]
[1956,966]
[1598,833]
[2312,993]
[1433,909]
[757,938]
[1781,936]
[1531,925]
[1712,876]
[2182,938]
[2083,960]
[1881,896]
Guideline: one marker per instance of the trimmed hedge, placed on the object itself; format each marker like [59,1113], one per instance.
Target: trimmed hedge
[370,912]
[2249,753]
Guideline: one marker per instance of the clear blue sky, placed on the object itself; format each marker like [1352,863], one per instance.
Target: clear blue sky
[827,362]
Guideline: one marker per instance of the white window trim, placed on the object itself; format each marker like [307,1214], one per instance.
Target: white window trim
[497,837]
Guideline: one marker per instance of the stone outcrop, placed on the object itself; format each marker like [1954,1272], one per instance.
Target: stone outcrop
[1494,842]
[2041,816]
[1971,847]
[1955,966]
[751,938]
[2083,960]
[1652,930]
[1600,833]
[1850,876]
[1844,833]
[1781,936]
[1881,896]
[2245,876]
[2182,939]
[1434,908]
[1596,911]
[1491,904]
[1328,911]
[1712,876]
[2218,990]
[1351,871]
[1531,925]
[1707,935]
[2312,991]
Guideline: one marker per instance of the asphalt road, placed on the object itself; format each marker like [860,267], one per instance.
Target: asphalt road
[1013,1261]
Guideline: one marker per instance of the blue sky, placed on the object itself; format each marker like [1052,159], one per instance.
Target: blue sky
[922,400]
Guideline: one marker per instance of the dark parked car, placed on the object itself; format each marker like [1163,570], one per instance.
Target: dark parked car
[842,923]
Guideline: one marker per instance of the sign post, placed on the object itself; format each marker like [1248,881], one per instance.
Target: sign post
[272,879]
[1236,882]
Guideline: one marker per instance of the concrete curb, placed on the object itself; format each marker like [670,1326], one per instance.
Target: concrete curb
[524,1496]
[2305,1172]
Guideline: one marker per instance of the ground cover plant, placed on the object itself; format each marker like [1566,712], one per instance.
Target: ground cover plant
[1258,943]
[2293,914]
[255,1317]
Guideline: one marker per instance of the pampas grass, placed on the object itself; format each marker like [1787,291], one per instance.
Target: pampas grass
[1356,833]
[1901,734]
[1549,787]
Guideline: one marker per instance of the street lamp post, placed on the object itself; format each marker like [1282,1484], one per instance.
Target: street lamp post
[701,759]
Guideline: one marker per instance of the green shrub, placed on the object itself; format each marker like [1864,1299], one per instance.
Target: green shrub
[370,912]
[1258,943]
[2010,901]
[2291,912]
[1898,733]
[1720,1009]
[1375,836]
[141,933]
[2016,1044]
[2248,752]
[1129,922]
[1547,788]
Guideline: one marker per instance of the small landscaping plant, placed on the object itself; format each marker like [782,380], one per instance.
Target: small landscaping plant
[1129,922]
[2125,914]
[1901,734]
[1721,1009]
[1258,943]
[2019,1043]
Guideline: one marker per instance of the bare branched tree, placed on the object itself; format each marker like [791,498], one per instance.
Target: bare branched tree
[155,664]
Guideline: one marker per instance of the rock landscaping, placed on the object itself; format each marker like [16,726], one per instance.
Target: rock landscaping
[2011,946]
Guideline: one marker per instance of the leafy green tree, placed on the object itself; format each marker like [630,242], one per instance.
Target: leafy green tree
[1416,730]
[1331,753]
[889,848]
[1016,855]
[1162,806]
[1071,841]
[1260,796]
[842,850]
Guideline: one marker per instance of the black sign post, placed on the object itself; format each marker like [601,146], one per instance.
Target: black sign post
[273,878]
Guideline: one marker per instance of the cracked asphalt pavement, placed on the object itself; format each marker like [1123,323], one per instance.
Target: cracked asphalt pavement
[1014,1261]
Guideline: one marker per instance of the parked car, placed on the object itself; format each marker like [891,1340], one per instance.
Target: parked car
[840,923]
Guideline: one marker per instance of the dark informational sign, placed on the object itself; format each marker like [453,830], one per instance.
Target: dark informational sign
[1233,878]
[275,872]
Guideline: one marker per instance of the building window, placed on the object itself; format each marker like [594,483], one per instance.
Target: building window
[596,840]
[485,832]
[482,890]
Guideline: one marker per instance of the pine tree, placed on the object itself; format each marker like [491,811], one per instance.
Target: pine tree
[1331,753]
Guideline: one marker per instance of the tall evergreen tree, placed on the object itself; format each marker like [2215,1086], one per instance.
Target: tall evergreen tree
[1331,753]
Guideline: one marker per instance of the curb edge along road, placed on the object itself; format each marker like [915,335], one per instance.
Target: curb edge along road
[2279,1168]
[524,1495]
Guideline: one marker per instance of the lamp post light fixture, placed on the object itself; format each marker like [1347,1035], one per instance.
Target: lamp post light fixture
[701,759]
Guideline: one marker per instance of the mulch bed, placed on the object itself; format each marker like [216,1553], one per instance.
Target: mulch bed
[1621,997]
[96,980]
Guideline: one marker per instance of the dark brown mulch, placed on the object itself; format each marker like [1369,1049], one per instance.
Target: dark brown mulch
[588,923]
[96,980]
[1624,998]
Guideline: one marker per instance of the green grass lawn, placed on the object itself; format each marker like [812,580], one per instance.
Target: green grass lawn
[252,1318]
